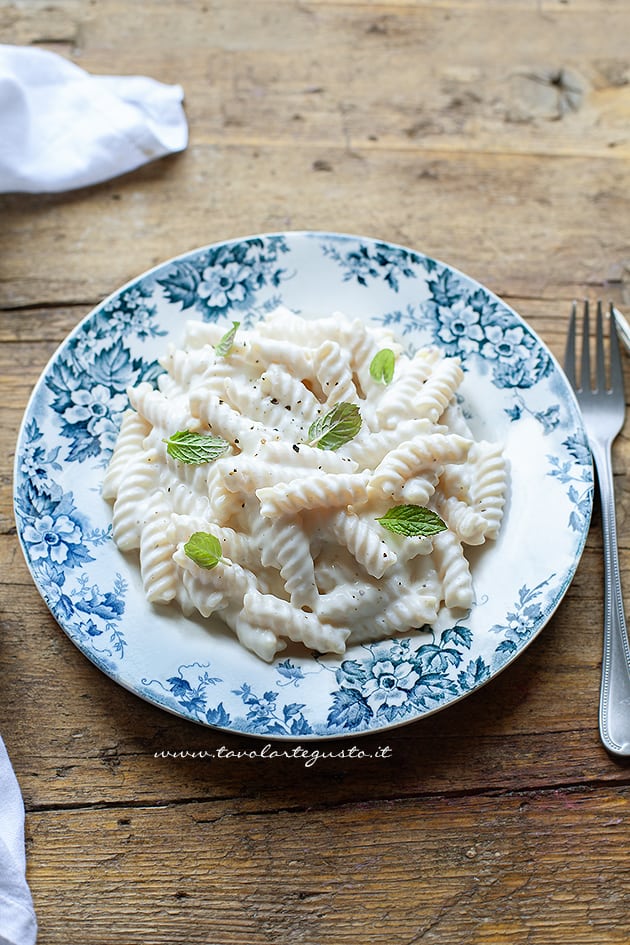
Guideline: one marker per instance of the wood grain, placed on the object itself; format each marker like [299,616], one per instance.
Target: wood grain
[288,132]
[533,869]
[406,198]
[492,134]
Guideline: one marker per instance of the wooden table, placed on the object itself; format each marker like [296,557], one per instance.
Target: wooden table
[494,134]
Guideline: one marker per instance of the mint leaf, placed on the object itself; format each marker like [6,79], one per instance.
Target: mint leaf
[204,549]
[413,521]
[382,366]
[194,448]
[224,346]
[335,428]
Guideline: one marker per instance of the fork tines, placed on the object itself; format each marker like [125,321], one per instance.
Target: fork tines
[585,381]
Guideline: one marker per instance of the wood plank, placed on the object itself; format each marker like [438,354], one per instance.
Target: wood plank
[295,72]
[37,327]
[463,210]
[537,868]
[293,110]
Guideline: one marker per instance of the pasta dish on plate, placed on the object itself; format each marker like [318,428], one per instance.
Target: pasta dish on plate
[304,480]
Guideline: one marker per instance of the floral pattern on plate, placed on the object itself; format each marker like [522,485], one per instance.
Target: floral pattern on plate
[513,390]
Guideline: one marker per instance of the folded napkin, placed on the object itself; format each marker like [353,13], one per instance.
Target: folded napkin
[62,128]
[17,918]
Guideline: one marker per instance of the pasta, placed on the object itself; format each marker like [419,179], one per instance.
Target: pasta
[321,471]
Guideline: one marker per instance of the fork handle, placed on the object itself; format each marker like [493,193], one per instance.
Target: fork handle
[614,704]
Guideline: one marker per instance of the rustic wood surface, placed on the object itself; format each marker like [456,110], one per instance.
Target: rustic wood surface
[493,134]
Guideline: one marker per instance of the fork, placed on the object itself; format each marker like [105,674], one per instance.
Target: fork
[603,413]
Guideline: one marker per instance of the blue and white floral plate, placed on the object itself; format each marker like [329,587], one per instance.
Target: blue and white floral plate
[513,391]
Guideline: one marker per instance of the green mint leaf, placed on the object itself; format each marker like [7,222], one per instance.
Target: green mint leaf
[194,448]
[204,549]
[413,521]
[335,428]
[382,366]
[224,346]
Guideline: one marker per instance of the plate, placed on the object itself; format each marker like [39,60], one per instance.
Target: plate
[513,391]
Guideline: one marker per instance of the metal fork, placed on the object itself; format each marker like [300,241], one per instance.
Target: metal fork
[603,412]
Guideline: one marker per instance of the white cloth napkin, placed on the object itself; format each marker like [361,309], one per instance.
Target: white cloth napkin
[17,918]
[62,128]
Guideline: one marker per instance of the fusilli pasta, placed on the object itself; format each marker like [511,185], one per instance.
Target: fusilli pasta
[297,508]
